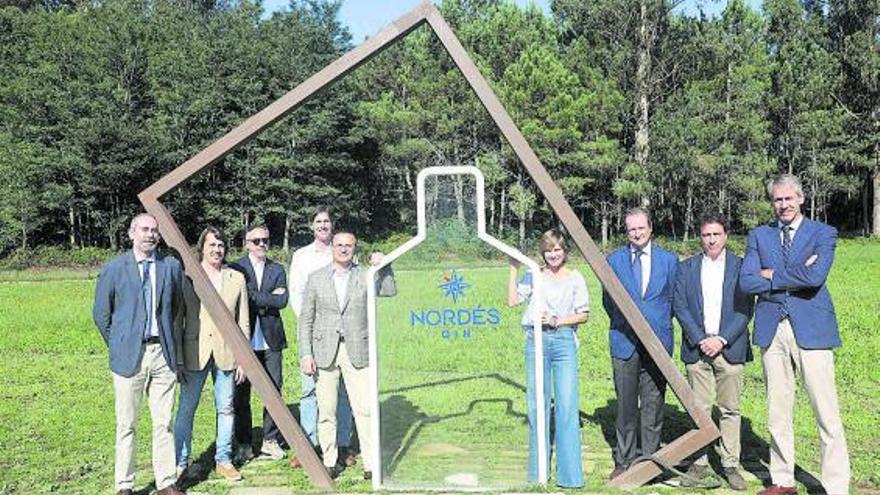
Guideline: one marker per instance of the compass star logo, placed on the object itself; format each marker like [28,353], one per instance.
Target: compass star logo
[453,285]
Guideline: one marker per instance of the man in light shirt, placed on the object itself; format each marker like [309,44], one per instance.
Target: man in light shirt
[714,315]
[786,265]
[303,263]
[267,295]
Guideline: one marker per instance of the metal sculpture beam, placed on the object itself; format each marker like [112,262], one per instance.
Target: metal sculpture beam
[424,13]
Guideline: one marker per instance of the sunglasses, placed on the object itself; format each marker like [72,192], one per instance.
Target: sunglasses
[260,240]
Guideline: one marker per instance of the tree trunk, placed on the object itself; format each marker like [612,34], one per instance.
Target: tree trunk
[689,213]
[875,231]
[605,218]
[287,223]
[71,217]
[643,88]
[522,233]
[459,197]
[502,212]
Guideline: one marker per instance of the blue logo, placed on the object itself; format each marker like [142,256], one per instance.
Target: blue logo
[453,286]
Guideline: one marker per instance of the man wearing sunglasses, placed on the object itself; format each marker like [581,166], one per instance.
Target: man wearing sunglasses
[267,295]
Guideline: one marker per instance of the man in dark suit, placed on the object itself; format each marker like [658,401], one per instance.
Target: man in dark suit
[786,264]
[647,271]
[267,296]
[714,314]
[333,341]
[136,302]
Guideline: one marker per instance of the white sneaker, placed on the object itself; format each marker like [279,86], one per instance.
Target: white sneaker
[271,450]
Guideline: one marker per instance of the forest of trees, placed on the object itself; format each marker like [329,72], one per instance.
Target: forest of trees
[626,102]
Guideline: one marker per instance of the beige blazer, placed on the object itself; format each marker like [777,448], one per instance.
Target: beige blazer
[201,338]
[322,318]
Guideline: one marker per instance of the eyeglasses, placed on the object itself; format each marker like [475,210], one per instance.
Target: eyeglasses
[260,240]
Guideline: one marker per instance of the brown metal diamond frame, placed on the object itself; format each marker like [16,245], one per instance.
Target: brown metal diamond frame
[424,13]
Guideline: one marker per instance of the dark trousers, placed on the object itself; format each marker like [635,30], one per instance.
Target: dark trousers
[271,361]
[641,391]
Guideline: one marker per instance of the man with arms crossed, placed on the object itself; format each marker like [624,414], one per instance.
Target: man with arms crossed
[647,271]
[786,265]
[333,340]
[303,263]
[136,301]
[714,315]
[267,295]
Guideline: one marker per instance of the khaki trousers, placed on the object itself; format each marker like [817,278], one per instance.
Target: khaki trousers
[357,382]
[782,361]
[156,380]
[717,380]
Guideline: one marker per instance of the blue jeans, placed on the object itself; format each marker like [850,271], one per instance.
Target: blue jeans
[190,393]
[308,412]
[560,375]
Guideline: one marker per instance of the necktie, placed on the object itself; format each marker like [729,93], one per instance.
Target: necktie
[147,291]
[637,270]
[786,242]
[786,251]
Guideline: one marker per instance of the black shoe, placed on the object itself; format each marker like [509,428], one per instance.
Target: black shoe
[334,471]
[368,475]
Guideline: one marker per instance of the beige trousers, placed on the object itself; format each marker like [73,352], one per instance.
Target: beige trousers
[357,382]
[782,361]
[155,380]
[715,380]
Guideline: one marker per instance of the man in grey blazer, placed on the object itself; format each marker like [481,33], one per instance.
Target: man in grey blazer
[333,340]
[136,301]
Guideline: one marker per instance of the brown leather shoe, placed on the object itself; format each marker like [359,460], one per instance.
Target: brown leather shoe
[618,470]
[778,490]
[170,490]
[125,491]
[294,462]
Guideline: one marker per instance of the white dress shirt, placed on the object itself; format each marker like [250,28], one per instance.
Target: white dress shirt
[646,264]
[305,261]
[794,225]
[712,283]
[258,341]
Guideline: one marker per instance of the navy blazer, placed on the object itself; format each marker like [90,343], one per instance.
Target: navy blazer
[802,288]
[736,310]
[119,310]
[262,303]
[656,305]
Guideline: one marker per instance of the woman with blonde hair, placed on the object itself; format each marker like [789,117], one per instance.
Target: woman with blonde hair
[565,304]
[204,352]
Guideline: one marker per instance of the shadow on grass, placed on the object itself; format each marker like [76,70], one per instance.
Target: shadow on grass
[408,420]
[755,454]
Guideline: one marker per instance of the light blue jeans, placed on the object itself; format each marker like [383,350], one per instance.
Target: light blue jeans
[560,375]
[190,393]
[308,412]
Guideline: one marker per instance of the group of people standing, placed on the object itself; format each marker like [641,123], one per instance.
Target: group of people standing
[159,335]
[781,280]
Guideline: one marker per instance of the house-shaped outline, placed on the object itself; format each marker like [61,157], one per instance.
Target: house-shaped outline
[424,13]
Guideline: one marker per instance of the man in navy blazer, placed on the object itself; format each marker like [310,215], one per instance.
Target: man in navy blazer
[647,271]
[714,315]
[786,264]
[267,296]
[137,299]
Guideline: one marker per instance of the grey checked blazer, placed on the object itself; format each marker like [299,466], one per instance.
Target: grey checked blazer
[321,318]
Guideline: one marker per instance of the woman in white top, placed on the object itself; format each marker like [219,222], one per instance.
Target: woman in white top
[565,304]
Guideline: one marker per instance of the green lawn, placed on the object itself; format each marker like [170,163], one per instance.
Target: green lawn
[450,405]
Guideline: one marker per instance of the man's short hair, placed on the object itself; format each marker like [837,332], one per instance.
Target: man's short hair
[713,218]
[210,229]
[136,218]
[638,210]
[261,226]
[345,232]
[785,180]
[321,209]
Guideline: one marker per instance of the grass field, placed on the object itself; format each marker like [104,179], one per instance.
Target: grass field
[459,401]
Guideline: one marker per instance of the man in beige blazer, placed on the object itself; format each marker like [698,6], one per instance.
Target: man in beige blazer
[205,351]
[333,339]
